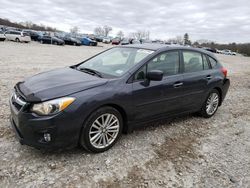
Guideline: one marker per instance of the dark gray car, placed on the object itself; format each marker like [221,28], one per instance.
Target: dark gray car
[93,102]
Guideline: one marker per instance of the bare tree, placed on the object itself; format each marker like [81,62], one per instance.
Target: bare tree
[120,34]
[141,35]
[179,40]
[99,31]
[106,30]
[74,30]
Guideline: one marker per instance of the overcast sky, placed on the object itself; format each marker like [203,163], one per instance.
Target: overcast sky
[221,20]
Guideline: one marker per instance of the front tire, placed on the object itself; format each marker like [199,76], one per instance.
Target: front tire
[211,104]
[17,40]
[101,130]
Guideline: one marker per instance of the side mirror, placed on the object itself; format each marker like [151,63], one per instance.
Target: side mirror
[155,75]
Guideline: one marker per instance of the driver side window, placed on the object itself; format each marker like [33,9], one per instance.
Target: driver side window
[167,62]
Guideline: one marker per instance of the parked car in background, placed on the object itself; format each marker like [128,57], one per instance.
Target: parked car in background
[18,36]
[219,51]
[88,42]
[210,49]
[72,41]
[33,34]
[92,103]
[115,41]
[106,40]
[125,41]
[50,40]
[227,52]
[2,37]
[99,38]
[135,41]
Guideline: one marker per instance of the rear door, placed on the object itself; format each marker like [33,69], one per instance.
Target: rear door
[196,75]
[156,98]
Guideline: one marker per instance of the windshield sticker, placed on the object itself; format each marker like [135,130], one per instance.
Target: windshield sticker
[145,51]
[119,71]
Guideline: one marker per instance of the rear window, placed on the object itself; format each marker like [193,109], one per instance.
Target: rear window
[25,34]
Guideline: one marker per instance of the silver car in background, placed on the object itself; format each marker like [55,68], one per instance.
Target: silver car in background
[17,36]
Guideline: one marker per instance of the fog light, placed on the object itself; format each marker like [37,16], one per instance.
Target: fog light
[47,137]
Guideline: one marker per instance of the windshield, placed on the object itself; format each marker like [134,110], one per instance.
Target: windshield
[116,61]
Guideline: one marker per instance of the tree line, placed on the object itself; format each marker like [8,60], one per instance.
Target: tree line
[26,25]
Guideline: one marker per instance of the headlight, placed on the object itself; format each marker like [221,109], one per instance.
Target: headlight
[52,106]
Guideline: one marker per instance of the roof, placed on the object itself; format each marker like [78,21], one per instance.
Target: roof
[155,47]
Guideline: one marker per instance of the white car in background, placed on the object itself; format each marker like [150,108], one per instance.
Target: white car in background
[2,37]
[227,52]
[106,40]
[18,36]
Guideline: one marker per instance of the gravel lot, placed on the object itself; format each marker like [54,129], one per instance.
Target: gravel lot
[186,152]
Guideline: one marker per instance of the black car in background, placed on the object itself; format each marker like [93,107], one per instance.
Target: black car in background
[50,40]
[2,37]
[210,49]
[93,102]
[71,41]
[34,35]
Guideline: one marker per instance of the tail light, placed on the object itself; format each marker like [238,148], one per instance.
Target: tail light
[224,71]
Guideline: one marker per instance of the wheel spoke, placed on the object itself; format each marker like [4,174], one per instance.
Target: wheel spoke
[112,123]
[95,138]
[107,119]
[112,130]
[104,140]
[94,132]
[113,127]
[98,123]
[212,103]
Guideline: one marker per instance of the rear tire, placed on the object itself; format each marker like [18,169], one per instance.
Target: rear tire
[211,104]
[101,130]
[17,40]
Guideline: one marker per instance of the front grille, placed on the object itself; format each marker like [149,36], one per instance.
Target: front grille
[18,101]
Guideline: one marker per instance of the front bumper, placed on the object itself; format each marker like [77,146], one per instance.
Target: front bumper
[63,128]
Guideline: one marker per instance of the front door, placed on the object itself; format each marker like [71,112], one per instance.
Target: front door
[156,98]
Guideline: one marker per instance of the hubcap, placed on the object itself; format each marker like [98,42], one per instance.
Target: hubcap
[104,130]
[212,103]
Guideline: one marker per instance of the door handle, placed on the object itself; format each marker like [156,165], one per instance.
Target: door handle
[209,77]
[178,84]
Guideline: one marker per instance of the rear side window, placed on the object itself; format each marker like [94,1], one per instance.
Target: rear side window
[25,34]
[213,62]
[193,61]
[205,63]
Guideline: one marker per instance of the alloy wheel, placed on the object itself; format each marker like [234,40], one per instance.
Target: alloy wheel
[212,103]
[104,131]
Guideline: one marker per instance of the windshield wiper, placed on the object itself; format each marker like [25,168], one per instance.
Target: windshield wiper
[90,71]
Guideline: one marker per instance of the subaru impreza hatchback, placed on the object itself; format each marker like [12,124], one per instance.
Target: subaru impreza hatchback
[93,102]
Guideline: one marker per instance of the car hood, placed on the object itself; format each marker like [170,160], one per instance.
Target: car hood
[57,83]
